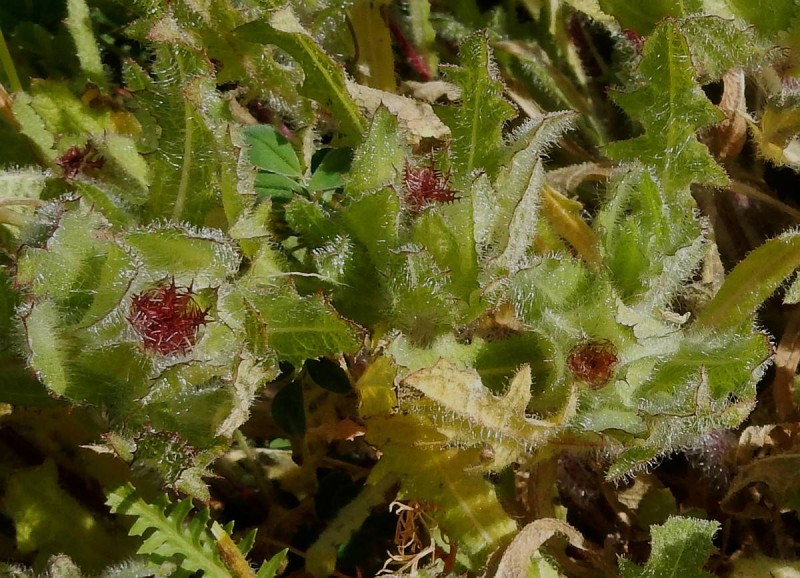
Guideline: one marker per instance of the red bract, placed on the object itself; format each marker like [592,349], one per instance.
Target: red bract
[166,317]
[78,159]
[426,185]
[593,362]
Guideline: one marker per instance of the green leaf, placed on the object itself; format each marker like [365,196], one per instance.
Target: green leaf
[270,568]
[301,328]
[276,187]
[643,17]
[780,16]
[201,257]
[681,547]
[721,44]
[324,78]
[32,125]
[468,509]
[380,158]
[754,279]
[270,151]
[51,521]
[183,167]
[373,220]
[477,123]
[671,107]
[80,27]
[310,221]
[167,533]
[328,174]
[650,245]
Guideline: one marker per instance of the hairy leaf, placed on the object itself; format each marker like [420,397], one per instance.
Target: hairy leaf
[467,507]
[167,533]
[751,282]
[671,107]
[324,79]
[80,27]
[680,548]
[477,123]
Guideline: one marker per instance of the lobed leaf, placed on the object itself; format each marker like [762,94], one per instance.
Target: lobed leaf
[477,123]
[671,107]
[324,80]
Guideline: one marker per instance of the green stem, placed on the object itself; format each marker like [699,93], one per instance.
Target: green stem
[8,65]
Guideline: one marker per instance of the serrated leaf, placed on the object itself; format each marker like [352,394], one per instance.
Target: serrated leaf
[300,328]
[720,44]
[188,545]
[270,568]
[477,123]
[310,221]
[270,151]
[648,243]
[324,78]
[779,17]
[671,107]
[328,174]
[374,221]
[681,547]
[380,158]
[460,393]
[183,166]
[201,257]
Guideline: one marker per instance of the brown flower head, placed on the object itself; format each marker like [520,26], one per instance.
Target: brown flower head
[593,361]
[425,186]
[167,317]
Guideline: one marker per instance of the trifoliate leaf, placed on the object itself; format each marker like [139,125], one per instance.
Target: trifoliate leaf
[271,151]
[671,107]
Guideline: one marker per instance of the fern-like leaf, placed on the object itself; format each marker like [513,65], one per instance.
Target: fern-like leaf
[169,535]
